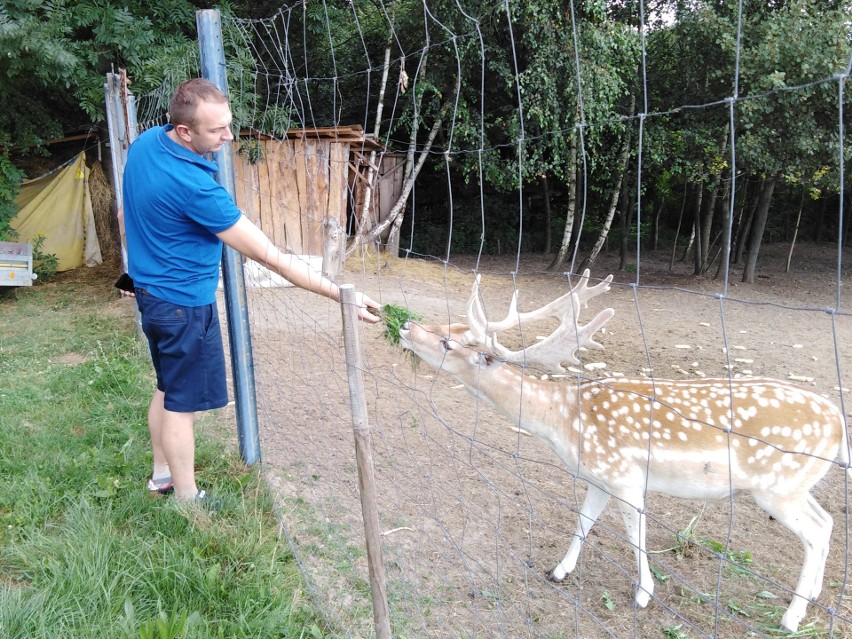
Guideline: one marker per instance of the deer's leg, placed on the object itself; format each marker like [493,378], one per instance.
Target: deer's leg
[633,513]
[812,525]
[591,509]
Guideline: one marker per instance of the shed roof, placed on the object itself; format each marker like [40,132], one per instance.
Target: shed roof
[354,134]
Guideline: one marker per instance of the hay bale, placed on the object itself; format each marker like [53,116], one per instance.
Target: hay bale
[106,225]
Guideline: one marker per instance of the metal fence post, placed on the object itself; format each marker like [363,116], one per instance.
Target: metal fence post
[122,128]
[236,304]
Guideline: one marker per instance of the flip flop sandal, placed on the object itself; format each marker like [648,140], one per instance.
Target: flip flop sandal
[164,488]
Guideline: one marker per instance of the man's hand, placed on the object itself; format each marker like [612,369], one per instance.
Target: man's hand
[365,303]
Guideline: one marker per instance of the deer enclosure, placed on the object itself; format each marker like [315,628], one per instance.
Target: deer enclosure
[475,513]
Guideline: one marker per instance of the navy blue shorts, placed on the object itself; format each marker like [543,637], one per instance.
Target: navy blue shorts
[187,352]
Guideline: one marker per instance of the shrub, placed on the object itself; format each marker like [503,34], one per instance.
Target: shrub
[10,180]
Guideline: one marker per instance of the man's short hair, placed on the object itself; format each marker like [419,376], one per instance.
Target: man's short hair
[187,97]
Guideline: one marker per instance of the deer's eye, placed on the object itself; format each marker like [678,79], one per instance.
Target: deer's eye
[445,344]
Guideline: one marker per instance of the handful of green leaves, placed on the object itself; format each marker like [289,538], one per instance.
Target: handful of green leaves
[394,318]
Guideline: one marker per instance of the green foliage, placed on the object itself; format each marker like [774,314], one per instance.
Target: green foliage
[513,103]
[62,49]
[45,265]
[252,150]
[675,632]
[394,318]
[10,177]
[163,626]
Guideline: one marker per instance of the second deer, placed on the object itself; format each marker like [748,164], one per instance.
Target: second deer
[700,439]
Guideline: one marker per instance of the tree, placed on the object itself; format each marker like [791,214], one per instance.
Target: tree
[54,55]
[780,64]
[61,50]
[577,75]
[799,44]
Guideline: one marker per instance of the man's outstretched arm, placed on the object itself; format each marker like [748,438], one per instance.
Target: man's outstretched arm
[253,243]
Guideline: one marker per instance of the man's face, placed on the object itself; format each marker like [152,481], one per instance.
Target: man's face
[211,130]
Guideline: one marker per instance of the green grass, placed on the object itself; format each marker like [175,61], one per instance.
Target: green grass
[84,552]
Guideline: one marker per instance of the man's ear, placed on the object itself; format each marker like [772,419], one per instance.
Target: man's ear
[183,131]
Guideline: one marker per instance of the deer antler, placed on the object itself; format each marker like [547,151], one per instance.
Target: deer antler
[561,345]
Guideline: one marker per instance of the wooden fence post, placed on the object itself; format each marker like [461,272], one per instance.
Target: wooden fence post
[364,458]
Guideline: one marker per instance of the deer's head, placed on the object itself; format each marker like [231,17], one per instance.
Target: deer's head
[456,347]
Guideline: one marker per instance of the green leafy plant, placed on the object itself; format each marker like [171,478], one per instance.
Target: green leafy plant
[45,265]
[738,560]
[172,626]
[253,150]
[659,574]
[684,538]
[675,632]
[10,177]
[394,318]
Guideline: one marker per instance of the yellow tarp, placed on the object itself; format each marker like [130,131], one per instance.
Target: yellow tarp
[58,205]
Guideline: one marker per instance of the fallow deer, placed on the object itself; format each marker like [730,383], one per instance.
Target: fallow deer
[701,439]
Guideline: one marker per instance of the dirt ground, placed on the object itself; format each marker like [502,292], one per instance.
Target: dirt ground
[474,514]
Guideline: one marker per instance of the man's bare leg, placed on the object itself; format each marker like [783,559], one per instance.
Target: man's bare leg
[173,446]
[155,427]
[177,436]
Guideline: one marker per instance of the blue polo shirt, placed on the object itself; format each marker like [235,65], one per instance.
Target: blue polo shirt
[173,207]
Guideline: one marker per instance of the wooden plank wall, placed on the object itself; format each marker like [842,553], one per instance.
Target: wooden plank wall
[390,182]
[299,182]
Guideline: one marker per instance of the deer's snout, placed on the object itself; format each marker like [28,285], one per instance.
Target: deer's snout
[404,334]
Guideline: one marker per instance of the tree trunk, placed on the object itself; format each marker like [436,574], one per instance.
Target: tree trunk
[707,226]
[365,220]
[572,206]
[624,163]
[795,231]
[757,228]
[407,185]
[626,222]
[548,236]
[698,245]
[745,229]
[393,236]
[679,222]
[365,236]
[817,232]
[710,212]
[688,246]
[738,221]
[698,253]
[655,232]
[412,169]
[725,260]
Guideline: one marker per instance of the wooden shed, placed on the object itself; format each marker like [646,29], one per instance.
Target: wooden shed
[294,187]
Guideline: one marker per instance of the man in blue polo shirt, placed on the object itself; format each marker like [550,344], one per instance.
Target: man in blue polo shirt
[176,217]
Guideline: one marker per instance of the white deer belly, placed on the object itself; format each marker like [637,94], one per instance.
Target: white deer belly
[700,474]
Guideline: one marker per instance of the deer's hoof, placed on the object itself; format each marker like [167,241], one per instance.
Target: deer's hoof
[552,576]
[790,625]
[642,597]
